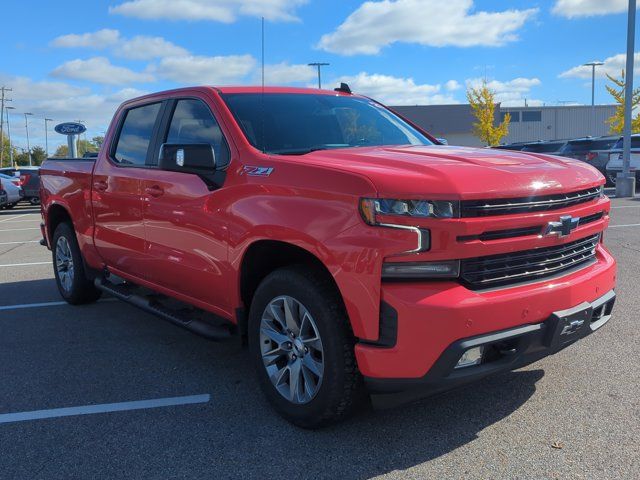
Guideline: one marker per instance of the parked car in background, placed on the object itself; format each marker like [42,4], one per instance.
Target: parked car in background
[512,146]
[550,147]
[614,164]
[14,192]
[592,150]
[28,178]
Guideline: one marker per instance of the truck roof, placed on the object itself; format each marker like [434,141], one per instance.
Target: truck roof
[239,89]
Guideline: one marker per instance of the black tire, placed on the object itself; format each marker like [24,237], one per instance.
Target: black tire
[34,200]
[341,388]
[81,289]
[9,206]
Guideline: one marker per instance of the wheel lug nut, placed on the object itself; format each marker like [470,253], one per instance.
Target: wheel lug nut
[294,356]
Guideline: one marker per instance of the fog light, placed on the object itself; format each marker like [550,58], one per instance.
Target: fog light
[471,357]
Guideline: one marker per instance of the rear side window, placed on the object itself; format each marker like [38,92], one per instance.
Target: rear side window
[135,134]
[193,122]
[635,143]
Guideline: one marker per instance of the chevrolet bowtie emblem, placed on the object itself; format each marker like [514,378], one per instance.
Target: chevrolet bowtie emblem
[564,227]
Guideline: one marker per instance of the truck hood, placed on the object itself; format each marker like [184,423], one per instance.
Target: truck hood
[446,172]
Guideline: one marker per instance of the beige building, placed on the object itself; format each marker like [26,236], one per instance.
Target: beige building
[528,124]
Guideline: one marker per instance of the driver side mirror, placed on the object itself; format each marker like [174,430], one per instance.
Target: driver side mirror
[197,158]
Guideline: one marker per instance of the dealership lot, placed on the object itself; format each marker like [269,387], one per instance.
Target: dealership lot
[199,412]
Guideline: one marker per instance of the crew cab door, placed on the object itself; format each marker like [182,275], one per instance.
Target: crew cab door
[117,191]
[185,234]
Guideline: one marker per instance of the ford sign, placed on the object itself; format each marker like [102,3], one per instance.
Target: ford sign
[70,128]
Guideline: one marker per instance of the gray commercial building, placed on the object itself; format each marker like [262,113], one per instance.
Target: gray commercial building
[528,124]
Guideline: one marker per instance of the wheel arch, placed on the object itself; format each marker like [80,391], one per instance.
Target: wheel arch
[263,257]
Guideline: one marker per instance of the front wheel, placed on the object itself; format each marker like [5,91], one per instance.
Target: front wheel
[73,283]
[303,348]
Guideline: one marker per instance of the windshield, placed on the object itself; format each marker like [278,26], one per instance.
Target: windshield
[295,124]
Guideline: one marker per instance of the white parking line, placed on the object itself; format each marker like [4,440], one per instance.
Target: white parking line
[32,220]
[103,408]
[12,218]
[24,264]
[16,243]
[17,229]
[45,304]
[629,225]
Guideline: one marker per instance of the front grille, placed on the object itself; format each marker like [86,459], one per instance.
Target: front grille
[513,268]
[507,206]
[521,232]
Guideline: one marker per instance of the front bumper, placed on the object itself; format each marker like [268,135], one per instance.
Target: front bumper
[433,318]
[505,350]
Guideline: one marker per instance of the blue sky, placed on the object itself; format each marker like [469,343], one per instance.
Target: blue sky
[82,62]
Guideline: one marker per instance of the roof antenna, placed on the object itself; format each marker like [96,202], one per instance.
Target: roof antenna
[262,95]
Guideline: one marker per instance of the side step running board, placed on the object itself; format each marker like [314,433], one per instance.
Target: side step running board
[196,325]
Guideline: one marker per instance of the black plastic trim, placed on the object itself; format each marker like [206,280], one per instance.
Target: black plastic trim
[527,344]
[388,328]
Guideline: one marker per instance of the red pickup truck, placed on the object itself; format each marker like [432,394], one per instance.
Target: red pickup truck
[354,252]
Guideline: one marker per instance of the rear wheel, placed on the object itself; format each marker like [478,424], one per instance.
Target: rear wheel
[73,283]
[302,346]
[10,206]
[612,176]
[34,201]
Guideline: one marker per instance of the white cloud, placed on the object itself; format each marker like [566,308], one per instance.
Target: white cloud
[100,70]
[101,39]
[285,73]
[205,70]
[145,48]
[612,65]
[589,8]
[452,86]
[511,93]
[376,24]
[396,90]
[140,47]
[62,102]
[225,11]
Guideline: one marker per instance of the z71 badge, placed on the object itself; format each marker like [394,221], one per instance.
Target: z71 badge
[256,171]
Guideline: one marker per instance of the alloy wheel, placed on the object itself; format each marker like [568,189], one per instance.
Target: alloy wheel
[64,264]
[291,349]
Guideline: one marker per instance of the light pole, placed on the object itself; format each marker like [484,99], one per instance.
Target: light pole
[593,66]
[319,65]
[625,182]
[7,108]
[26,126]
[46,135]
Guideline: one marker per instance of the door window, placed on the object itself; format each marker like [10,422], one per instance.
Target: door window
[135,135]
[193,122]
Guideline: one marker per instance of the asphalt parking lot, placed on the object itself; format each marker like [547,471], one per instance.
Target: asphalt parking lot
[574,415]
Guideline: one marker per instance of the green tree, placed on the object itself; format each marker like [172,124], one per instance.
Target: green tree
[483,104]
[616,121]
[83,147]
[38,155]
[61,152]
[98,141]
[21,158]
[6,152]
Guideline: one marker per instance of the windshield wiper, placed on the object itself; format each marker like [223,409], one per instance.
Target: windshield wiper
[304,151]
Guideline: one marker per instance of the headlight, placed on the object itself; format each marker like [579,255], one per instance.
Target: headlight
[371,207]
[447,269]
